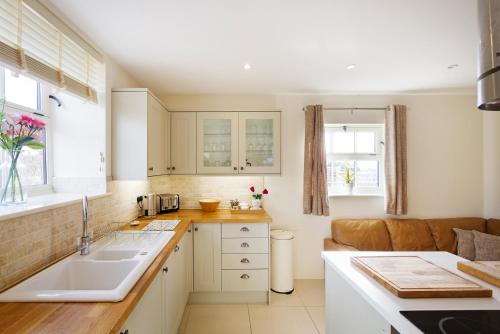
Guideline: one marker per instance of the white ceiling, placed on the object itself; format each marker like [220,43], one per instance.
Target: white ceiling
[294,46]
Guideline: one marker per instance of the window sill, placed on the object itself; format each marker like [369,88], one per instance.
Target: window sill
[42,203]
[357,195]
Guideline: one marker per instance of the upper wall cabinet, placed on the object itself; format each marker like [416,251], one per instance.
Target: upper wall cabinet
[217,143]
[259,142]
[183,143]
[140,135]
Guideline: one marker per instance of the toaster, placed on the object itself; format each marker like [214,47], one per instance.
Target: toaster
[167,203]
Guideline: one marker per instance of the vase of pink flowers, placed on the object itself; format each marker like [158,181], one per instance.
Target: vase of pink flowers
[17,132]
[257,197]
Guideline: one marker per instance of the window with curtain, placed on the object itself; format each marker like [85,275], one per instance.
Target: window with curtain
[359,150]
[31,43]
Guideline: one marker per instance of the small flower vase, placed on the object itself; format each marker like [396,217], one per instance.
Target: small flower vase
[256,204]
[350,188]
[12,190]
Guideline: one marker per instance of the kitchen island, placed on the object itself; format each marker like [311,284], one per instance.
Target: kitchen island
[108,317]
[356,303]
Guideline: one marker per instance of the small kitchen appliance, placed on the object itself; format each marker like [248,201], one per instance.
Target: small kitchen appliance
[167,203]
[147,205]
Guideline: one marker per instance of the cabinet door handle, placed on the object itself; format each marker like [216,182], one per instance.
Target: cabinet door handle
[244,276]
[176,249]
[165,269]
[150,169]
[245,260]
[168,168]
[196,229]
[235,168]
[173,168]
[124,331]
[242,168]
[245,245]
[244,229]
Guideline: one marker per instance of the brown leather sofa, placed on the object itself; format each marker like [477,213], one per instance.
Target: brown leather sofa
[403,234]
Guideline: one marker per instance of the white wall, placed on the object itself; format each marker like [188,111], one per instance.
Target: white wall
[492,164]
[445,159]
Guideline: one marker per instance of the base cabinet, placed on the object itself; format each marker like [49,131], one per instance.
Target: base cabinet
[161,307]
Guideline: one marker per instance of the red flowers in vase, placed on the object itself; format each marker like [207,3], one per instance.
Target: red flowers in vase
[258,195]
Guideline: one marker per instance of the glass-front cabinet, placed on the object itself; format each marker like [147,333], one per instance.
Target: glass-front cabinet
[217,147]
[259,142]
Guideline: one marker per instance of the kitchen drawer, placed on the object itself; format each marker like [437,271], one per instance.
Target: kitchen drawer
[254,230]
[245,261]
[245,245]
[245,280]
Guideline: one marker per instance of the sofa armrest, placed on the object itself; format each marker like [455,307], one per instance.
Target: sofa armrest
[330,245]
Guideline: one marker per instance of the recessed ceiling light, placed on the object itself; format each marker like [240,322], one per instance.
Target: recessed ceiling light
[247,66]
[351,66]
[452,66]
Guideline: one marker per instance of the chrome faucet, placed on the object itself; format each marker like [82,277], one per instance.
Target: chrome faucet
[85,239]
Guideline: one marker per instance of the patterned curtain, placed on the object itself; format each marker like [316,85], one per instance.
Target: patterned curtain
[315,186]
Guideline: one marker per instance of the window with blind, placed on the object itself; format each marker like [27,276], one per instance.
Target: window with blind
[31,43]
[359,149]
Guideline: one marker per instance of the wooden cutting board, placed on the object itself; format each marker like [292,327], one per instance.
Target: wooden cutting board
[414,277]
[488,271]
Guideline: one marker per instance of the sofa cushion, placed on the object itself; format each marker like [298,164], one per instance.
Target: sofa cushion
[442,230]
[410,235]
[465,244]
[363,234]
[493,226]
[487,246]
[330,245]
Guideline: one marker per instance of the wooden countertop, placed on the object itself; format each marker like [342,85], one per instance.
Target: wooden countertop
[105,317]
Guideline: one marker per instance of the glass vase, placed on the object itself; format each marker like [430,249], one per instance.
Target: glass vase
[12,190]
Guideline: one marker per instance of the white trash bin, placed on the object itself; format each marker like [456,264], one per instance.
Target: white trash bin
[281,261]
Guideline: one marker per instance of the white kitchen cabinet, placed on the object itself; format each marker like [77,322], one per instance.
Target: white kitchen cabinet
[217,143]
[207,257]
[161,308]
[140,135]
[259,142]
[147,315]
[183,143]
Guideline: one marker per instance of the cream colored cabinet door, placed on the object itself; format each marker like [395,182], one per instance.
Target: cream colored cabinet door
[183,143]
[259,142]
[188,258]
[217,143]
[147,315]
[171,301]
[156,138]
[167,143]
[207,257]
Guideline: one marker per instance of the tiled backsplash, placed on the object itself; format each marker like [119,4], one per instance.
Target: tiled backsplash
[194,188]
[31,242]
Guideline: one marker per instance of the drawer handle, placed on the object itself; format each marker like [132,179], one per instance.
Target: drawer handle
[165,270]
[245,260]
[176,249]
[244,229]
[244,276]
[245,245]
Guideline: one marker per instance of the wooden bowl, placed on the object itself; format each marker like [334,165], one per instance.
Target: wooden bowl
[209,205]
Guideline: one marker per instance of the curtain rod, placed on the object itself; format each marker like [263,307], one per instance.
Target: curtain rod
[353,108]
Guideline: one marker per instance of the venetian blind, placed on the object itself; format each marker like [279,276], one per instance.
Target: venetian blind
[32,44]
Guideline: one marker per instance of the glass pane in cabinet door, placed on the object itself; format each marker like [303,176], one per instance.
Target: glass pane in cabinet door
[217,143]
[259,141]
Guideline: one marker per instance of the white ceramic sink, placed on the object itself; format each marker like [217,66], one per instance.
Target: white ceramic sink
[107,273]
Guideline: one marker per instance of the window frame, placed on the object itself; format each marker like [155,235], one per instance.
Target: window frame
[378,129]
[42,105]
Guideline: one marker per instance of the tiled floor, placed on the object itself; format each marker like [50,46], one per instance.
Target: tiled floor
[301,312]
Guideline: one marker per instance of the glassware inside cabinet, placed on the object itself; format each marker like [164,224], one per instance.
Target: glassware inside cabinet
[217,142]
[259,139]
